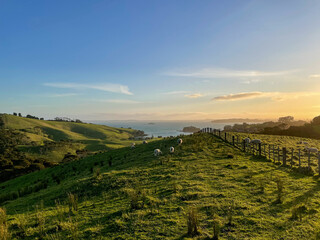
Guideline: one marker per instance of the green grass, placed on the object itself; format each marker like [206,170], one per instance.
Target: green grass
[145,197]
[91,137]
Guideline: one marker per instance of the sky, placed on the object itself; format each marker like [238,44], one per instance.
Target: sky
[160,60]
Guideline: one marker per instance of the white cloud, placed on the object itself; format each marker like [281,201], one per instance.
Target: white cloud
[176,92]
[120,101]
[62,95]
[194,95]
[227,73]
[314,76]
[276,96]
[107,87]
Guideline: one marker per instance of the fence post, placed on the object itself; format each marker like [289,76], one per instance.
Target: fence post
[284,156]
[309,162]
[269,152]
[259,149]
[299,158]
[264,150]
[233,140]
[219,133]
[274,157]
[319,163]
[278,154]
[225,136]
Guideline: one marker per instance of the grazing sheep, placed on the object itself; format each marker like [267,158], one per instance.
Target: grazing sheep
[312,150]
[256,141]
[133,145]
[157,152]
[145,142]
[179,141]
[171,149]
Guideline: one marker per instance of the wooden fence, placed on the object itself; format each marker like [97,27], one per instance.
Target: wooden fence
[281,155]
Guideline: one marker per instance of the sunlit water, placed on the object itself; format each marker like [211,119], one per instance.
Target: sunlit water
[161,128]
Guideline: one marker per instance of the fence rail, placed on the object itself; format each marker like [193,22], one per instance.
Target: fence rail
[280,155]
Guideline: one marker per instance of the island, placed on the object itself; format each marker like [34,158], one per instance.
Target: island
[190,129]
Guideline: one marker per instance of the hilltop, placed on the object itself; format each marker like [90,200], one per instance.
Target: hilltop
[28,144]
[130,194]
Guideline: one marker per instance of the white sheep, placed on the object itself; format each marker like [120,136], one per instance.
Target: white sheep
[157,152]
[179,141]
[133,145]
[256,141]
[145,142]
[171,149]
[312,150]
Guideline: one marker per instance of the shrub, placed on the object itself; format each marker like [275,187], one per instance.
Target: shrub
[72,202]
[280,190]
[298,212]
[193,222]
[216,227]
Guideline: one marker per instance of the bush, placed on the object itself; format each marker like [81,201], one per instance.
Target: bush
[193,222]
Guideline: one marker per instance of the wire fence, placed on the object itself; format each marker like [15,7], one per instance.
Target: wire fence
[303,159]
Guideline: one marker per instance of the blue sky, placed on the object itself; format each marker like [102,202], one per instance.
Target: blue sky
[160,60]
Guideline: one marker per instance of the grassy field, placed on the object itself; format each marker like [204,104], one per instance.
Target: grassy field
[130,194]
[290,143]
[91,137]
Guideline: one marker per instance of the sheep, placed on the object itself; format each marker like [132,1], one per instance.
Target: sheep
[171,149]
[133,145]
[256,141]
[145,142]
[312,150]
[179,141]
[157,152]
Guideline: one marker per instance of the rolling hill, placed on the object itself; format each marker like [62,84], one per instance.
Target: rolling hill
[131,194]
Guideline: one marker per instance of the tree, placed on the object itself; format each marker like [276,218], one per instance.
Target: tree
[20,115]
[316,121]
[14,114]
[286,119]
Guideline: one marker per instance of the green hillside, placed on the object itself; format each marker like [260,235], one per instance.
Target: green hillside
[92,134]
[131,194]
[29,144]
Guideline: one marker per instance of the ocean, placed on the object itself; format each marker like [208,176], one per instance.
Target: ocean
[161,128]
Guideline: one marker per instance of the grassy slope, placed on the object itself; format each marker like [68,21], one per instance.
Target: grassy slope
[89,136]
[199,174]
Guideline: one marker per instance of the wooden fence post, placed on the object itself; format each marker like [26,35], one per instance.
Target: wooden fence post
[225,136]
[278,154]
[319,163]
[284,156]
[259,149]
[274,157]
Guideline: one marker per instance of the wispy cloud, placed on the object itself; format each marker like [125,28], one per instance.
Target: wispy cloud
[238,96]
[107,87]
[119,101]
[194,95]
[176,92]
[227,73]
[276,96]
[314,76]
[62,95]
